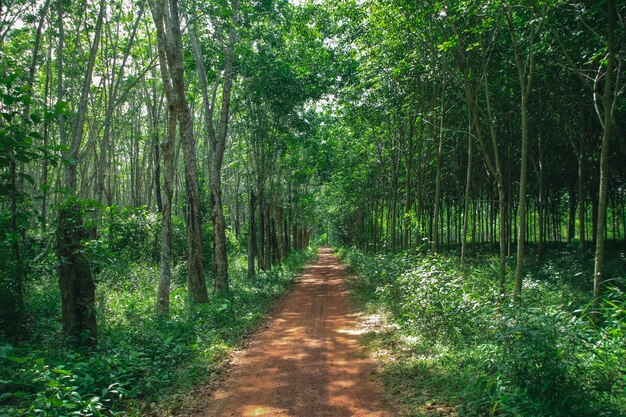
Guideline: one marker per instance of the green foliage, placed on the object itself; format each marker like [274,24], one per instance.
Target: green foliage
[140,357]
[20,145]
[544,357]
[133,233]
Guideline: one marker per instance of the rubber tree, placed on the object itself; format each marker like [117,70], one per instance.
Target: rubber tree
[217,140]
[166,18]
[78,289]
[525,62]
[607,97]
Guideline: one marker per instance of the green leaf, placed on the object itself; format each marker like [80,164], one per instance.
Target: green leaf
[53,383]
[57,402]
[61,107]
[61,371]
[18,359]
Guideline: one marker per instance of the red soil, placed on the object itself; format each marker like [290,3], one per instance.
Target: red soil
[307,361]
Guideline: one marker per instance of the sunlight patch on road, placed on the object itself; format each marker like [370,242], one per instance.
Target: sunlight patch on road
[261,410]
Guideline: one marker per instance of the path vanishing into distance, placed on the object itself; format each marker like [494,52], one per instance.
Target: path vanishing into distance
[307,360]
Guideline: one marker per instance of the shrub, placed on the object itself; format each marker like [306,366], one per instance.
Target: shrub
[544,357]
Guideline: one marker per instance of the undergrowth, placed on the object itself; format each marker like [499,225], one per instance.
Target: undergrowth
[140,359]
[449,347]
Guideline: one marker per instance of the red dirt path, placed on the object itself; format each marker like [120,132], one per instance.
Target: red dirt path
[307,361]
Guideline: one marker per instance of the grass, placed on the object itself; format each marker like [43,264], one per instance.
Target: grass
[448,348]
[141,361]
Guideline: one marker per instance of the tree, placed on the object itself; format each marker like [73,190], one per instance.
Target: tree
[78,289]
[217,140]
[169,41]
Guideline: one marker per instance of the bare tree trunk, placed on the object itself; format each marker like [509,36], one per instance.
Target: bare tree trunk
[435,247]
[581,189]
[519,266]
[541,208]
[468,186]
[571,219]
[75,278]
[526,72]
[167,23]
[217,157]
[262,247]
[251,235]
[218,145]
[407,184]
[608,100]
[154,113]
[46,135]
[163,297]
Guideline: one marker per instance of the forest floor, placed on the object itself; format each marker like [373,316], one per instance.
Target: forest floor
[305,361]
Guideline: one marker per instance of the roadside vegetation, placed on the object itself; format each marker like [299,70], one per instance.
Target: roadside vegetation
[450,346]
[141,359]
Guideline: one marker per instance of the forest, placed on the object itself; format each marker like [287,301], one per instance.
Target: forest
[168,167]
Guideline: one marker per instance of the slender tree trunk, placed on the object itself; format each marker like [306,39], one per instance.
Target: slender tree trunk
[541,207]
[46,135]
[435,247]
[581,190]
[519,266]
[163,295]
[17,307]
[157,153]
[407,185]
[468,185]
[169,39]
[571,219]
[526,72]
[608,100]
[217,157]
[17,185]
[75,278]
[251,235]
[262,247]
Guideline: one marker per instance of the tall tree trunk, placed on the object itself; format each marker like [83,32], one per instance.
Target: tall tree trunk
[407,184]
[217,142]
[75,278]
[571,218]
[169,149]
[519,266]
[217,158]
[468,186]
[526,73]
[169,39]
[608,101]
[541,207]
[157,154]
[581,189]
[251,234]
[435,246]
[163,295]
[262,247]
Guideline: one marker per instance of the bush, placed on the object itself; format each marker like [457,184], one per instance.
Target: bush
[139,357]
[134,233]
[544,357]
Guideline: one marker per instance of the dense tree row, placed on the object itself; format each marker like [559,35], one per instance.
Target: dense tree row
[482,121]
[387,123]
[191,109]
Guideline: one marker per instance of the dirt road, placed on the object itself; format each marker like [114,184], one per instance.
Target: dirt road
[307,361]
